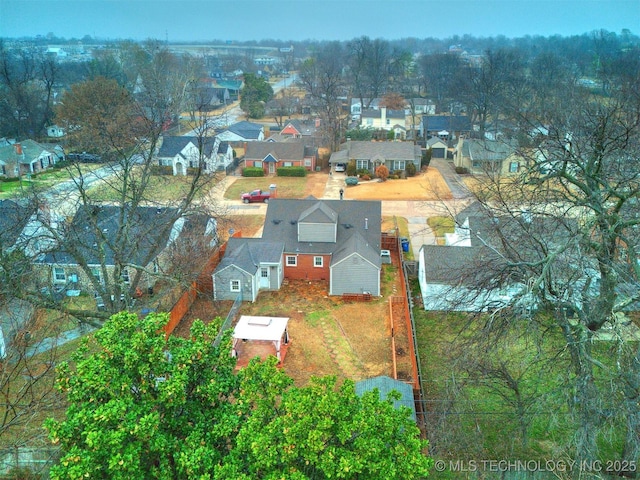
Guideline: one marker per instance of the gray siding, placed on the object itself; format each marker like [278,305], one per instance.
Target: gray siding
[355,270]
[317,232]
[222,284]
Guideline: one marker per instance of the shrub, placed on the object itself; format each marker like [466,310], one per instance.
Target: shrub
[426,158]
[252,172]
[462,170]
[382,172]
[351,180]
[365,177]
[351,169]
[393,177]
[161,170]
[362,171]
[291,172]
[411,169]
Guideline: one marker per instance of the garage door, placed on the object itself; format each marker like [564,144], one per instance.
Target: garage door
[437,153]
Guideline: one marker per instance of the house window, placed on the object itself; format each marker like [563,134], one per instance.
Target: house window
[234,285]
[125,276]
[307,162]
[193,163]
[287,164]
[388,121]
[292,260]
[96,273]
[58,275]
[257,163]
[264,272]
[317,261]
[476,164]
[370,121]
[399,165]
[362,164]
[513,167]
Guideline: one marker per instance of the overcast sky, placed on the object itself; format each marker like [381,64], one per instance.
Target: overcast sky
[198,20]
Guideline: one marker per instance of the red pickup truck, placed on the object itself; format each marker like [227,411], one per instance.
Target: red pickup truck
[256,196]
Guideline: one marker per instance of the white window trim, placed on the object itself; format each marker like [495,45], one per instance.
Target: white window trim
[234,285]
[315,262]
[59,279]
[295,261]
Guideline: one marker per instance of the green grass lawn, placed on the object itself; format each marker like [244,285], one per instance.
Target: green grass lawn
[287,187]
[19,186]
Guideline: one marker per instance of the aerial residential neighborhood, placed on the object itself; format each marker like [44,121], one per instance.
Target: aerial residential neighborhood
[365,258]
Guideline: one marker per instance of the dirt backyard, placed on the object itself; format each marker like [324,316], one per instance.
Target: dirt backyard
[329,336]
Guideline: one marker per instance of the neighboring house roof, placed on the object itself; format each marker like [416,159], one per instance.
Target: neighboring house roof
[385,385]
[361,150]
[433,141]
[13,219]
[279,150]
[486,150]
[298,127]
[172,146]
[248,253]
[451,123]
[31,151]
[377,113]
[350,217]
[452,265]
[152,227]
[248,130]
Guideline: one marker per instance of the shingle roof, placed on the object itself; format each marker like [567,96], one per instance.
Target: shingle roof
[31,151]
[248,253]
[172,146]
[94,230]
[486,150]
[281,224]
[388,150]
[451,123]
[377,113]
[246,129]
[280,150]
[452,265]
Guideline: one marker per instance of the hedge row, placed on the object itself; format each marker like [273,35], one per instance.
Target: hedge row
[253,172]
[291,172]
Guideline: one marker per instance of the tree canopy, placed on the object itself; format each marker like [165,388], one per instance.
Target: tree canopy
[145,406]
[255,93]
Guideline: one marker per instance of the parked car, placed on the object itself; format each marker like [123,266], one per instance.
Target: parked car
[341,167]
[84,157]
[256,196]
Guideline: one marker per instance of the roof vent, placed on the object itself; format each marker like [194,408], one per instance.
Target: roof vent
[293,222]
[276,221]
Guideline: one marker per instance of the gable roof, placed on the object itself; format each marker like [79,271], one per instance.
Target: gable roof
[451,123]
[31,151]
[377,113]
[172,146]
[357,244]
[434,141]
[486,150]
[283,216]
[387,150]
[453,265]
[298,126]
[96,226]
[279,150]
[246,129]
[248,253]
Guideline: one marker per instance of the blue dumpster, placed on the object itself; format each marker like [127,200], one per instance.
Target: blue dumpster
[405,244]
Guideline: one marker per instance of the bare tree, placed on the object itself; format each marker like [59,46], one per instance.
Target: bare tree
[322,78]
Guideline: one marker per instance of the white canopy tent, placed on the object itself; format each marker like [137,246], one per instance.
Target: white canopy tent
[272,329]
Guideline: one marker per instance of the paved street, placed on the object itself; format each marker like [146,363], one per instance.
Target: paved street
[415,211]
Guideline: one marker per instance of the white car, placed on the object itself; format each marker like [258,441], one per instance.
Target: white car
[340,167]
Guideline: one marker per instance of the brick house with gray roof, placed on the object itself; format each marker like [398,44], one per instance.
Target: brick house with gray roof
[271,155]
[370,155]
[337,241]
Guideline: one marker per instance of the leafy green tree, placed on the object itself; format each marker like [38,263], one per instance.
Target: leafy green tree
[323,430]
[145,406]
[254,95]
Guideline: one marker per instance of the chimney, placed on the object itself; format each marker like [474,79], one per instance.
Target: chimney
[18,148]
